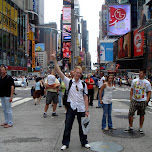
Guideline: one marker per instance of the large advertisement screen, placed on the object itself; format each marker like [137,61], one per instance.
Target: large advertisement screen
[119,19]
[66,14]
[39,47]
[66,30]
[138,43]
[124,46]
[66,49]
[106,51]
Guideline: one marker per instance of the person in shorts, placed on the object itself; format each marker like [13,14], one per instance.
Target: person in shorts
[138,99]
[51,95]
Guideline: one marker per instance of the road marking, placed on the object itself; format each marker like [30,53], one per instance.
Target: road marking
[17,101]
[22,88]
[21,101]
[121,110]
[121,100]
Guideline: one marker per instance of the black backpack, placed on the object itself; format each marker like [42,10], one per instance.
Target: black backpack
[65,96]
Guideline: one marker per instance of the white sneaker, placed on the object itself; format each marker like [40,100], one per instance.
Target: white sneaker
[87,146]
[64,147]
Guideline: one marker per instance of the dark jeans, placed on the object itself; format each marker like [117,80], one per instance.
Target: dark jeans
[90,96]
[70,116]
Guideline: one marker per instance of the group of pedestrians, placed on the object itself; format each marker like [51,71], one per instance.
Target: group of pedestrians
[79,97]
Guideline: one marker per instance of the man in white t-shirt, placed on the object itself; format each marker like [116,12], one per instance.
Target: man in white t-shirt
[100,83]
[139,99]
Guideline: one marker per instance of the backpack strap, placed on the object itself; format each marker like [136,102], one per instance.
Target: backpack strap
[70,84]
[83,83]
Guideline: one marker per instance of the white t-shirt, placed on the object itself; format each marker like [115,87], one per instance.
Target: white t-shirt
[140,87]
[75,96]
[51,79]
[100,82]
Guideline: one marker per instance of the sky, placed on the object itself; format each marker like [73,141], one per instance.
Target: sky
[89,9]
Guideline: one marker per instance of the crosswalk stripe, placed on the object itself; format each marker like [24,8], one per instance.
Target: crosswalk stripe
[21,101]
[22,88]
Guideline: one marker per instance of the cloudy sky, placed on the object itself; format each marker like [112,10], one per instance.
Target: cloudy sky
[89,9]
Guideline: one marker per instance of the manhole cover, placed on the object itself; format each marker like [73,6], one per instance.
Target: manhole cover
[121,134]
[105,147]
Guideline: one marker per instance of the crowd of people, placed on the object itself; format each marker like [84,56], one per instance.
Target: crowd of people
[77,93]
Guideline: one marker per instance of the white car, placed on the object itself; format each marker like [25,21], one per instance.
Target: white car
[18,82]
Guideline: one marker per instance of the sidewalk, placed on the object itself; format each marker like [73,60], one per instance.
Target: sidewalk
[33,133]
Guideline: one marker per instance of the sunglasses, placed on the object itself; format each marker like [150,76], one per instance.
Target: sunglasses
[77,88]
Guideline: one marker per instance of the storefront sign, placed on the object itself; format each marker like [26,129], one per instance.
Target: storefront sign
[138,43]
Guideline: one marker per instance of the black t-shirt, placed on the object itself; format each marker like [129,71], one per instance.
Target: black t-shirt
[5,86]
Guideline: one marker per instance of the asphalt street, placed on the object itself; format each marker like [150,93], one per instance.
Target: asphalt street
[33,133]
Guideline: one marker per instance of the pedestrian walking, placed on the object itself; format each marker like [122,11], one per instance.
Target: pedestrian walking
[95,87]
[138,100]
[100,83]
[6,96]
[77,104]
[90,82]
[37,92]
[107,102]
[51,95]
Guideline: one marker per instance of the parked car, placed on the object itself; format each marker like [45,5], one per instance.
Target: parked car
[18,82]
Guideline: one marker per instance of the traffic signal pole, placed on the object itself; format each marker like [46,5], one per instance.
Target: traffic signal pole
[72,36]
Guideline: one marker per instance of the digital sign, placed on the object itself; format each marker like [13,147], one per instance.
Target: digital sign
[119,19]
[66,30]
[138,43]
[66,49]
[124,46]
[106,51]
[39,47]
[66,2]
[66,14]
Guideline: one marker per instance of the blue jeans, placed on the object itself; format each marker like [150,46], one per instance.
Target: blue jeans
[60,98]
[107,109]
[70,116]
[99,104]
[7,109]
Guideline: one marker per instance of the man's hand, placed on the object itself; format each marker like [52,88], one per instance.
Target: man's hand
[87,113]
[101,101]
[11,99]
[53,56]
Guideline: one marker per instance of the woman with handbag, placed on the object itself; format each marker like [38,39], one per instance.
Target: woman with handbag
[37,93]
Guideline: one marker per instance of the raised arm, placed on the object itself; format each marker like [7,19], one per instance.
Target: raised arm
[58,70]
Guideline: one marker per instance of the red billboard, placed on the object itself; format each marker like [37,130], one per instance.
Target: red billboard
[138,43]
[66,49]
[124,46]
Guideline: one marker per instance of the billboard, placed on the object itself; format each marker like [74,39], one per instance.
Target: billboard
[66,30]
[66,2]
[124,46]
[66,49]
[39,47]
[138,43]
[66,14]
[106,51]
[119,19]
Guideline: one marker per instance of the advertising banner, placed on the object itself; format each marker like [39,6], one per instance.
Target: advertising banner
[66,2]
[138,43]
[33,54]
[66,30]
[8,18]
[39,47]
[119,19]
[66,14]
[124,46]
[106,51]
[66,49]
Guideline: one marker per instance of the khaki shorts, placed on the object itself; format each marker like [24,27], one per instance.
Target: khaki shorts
[140,106]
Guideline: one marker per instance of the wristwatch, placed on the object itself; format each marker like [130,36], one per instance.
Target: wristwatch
[87,111]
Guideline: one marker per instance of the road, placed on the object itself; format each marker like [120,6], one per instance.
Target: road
[33,133]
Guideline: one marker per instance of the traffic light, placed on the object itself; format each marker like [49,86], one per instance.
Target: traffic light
[79,59]
[28,35]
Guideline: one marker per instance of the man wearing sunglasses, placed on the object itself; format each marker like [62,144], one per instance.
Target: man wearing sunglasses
[78,104]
